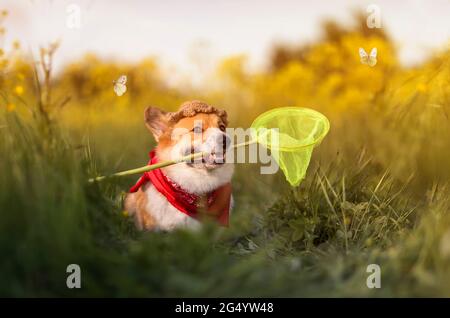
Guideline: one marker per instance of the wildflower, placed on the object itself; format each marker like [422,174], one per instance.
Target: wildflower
[10,107]
[19,90]
[347,220]
[422,88]
[125,213]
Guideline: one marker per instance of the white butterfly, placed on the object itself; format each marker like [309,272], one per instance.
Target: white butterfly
[371,59]
[119,85]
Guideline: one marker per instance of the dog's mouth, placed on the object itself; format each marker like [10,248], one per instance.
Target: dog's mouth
[214,159]
[214,149]
[208,160]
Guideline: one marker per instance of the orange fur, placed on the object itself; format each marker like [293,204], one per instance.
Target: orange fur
[167,139]
[137,204]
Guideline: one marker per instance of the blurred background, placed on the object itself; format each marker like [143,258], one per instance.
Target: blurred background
[376,190]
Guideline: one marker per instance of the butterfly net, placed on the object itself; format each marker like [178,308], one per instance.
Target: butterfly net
[291,134]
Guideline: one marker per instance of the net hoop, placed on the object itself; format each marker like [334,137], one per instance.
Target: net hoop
[320,120]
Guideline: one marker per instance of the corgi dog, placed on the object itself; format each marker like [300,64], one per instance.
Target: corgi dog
[184,194]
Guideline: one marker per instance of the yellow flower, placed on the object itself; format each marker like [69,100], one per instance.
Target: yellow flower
[347,220]
[125,213]
[19,90]
[10,107]
[422,88]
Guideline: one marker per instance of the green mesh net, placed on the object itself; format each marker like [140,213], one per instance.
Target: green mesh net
[291,133]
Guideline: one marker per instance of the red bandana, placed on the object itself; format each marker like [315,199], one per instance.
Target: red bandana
[184,201]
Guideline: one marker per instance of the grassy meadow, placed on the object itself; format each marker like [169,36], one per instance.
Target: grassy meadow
[377,190]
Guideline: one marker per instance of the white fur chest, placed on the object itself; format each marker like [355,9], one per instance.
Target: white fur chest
[166,216]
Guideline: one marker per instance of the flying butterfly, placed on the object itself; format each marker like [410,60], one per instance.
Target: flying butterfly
[119,85]
[368,59]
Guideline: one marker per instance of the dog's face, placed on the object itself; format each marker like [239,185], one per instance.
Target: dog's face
[201,132]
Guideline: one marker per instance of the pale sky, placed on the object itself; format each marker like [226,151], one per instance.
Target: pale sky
[170,29]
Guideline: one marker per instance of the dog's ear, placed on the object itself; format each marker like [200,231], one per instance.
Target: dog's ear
[156,121]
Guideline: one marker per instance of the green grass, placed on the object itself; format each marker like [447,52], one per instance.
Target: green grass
[377,190]
[315,240]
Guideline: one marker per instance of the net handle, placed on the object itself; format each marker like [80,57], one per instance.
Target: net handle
[162,164]
[188,158]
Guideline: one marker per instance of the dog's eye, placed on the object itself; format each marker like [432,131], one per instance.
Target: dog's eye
[197,130]
[222,127]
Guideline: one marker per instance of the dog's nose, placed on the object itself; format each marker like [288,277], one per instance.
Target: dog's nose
[219,142]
